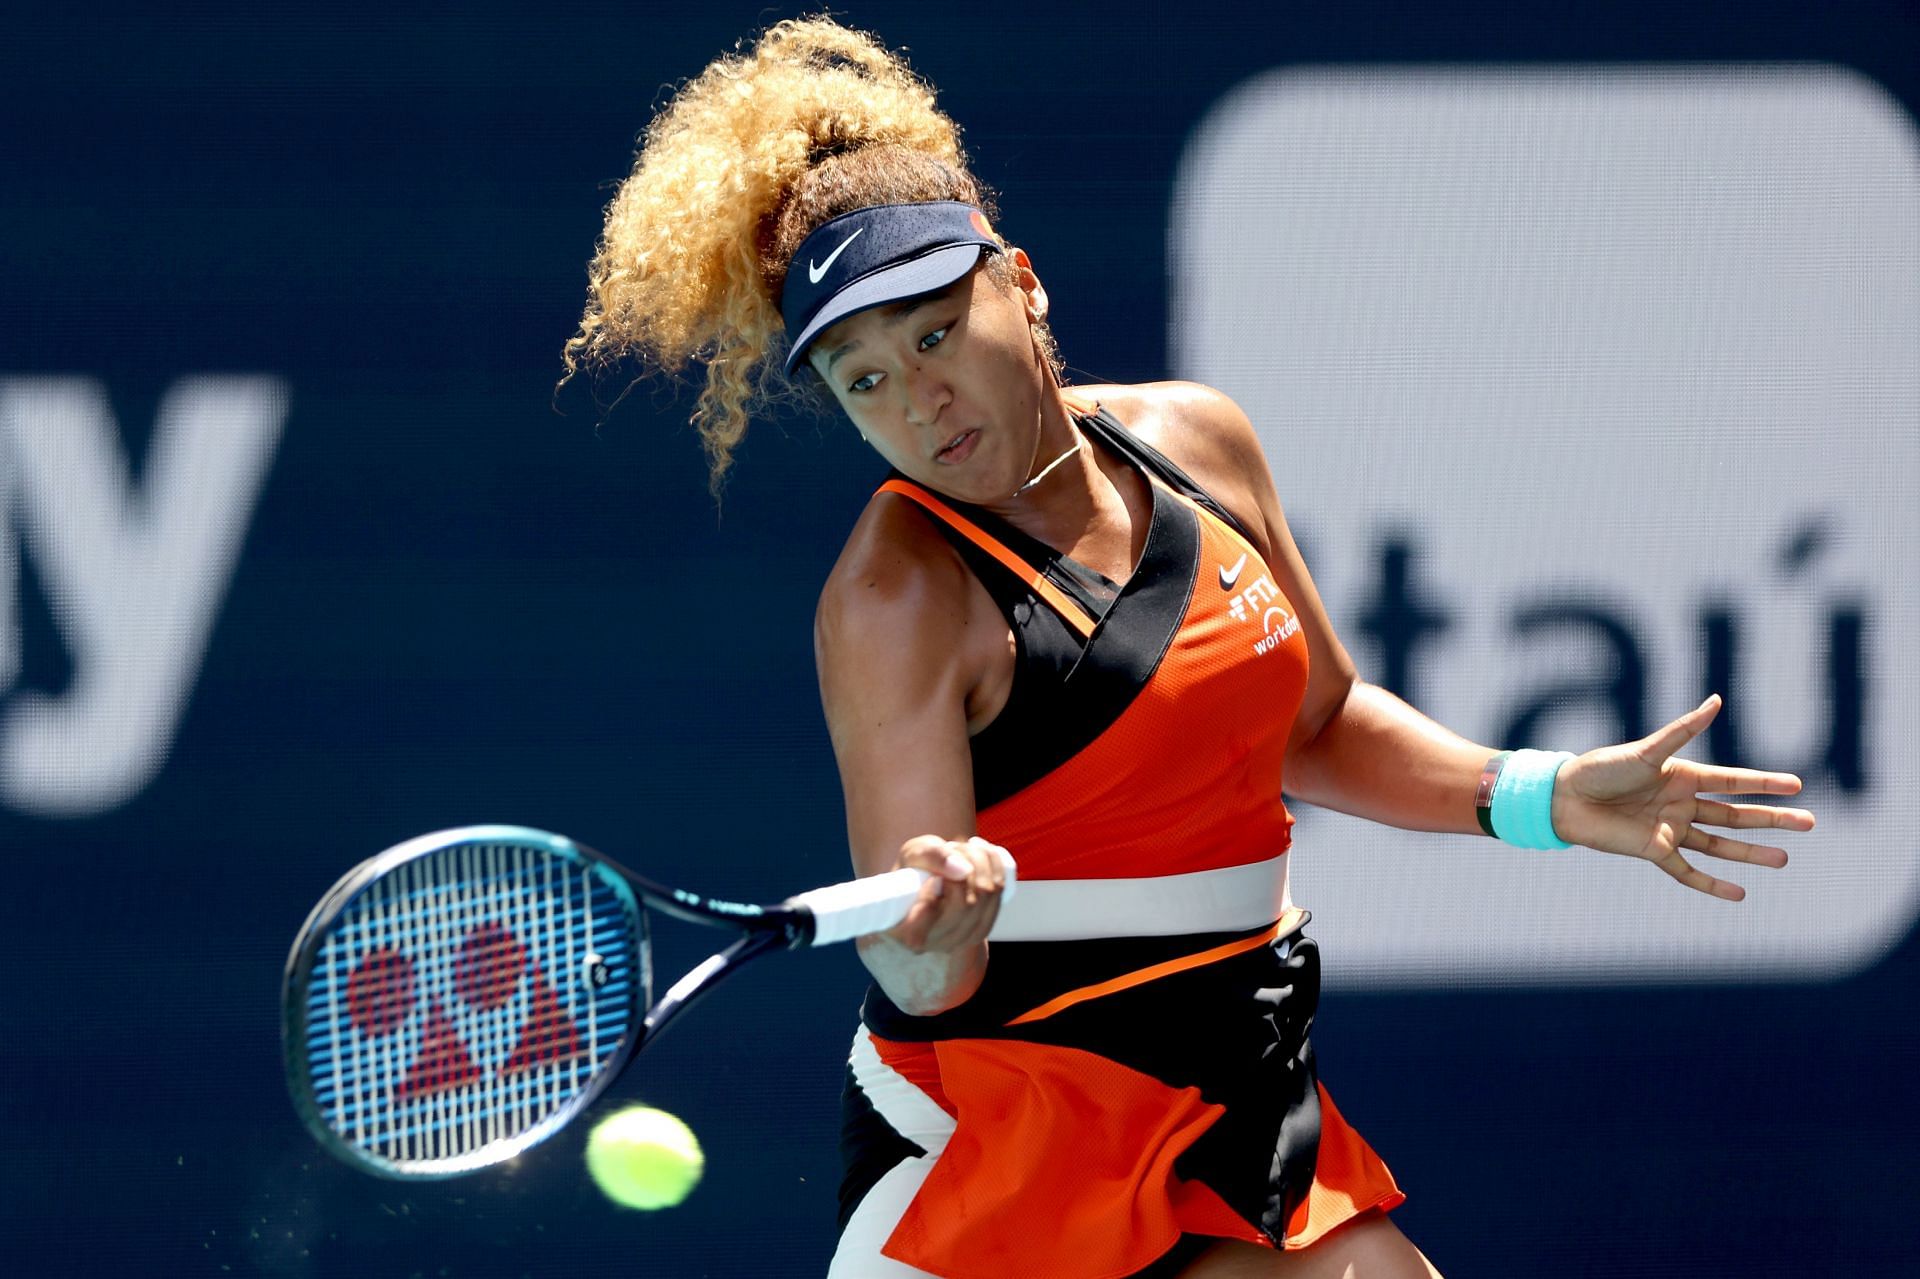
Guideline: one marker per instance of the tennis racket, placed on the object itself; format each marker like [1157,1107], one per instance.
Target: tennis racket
[462,996]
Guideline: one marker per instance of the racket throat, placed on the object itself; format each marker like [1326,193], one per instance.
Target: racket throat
[703,977]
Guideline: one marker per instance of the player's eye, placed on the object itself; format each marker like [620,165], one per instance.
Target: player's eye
[866,382]
[933,339]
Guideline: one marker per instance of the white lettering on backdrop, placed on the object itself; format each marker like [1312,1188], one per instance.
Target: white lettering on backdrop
[1588,390]
[134,578]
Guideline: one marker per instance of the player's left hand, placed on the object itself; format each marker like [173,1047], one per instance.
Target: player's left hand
[1638,800]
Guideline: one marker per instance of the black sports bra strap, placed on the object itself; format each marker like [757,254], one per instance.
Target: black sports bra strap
[1109,430]
[1091,590]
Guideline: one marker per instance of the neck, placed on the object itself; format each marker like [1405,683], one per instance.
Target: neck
[1049,468]
[1061,474]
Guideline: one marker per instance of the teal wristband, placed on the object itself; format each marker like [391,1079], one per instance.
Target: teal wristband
[1522,807]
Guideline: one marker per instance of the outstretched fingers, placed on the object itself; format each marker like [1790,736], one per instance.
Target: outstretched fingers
[1658,747]
[1671,837]
[1698,880]
[1734,850]
[1717,780]
[1751,816]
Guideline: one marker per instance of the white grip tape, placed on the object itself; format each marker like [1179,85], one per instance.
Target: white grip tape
[875,903]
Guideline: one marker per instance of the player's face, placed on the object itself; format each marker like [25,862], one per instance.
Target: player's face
[946,386]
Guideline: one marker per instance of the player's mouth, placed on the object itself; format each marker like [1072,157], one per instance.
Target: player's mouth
[958,448]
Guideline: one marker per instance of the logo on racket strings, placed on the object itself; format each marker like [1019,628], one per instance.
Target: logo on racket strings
[497,1016]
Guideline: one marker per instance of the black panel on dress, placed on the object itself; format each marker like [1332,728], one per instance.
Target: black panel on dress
[1045,650]
[1065,695]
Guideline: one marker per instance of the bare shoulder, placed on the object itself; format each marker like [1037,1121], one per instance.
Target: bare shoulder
[903,628]
[1182,419]
[1204,433]
[896,573]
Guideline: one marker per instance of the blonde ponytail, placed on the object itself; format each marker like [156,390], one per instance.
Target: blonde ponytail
[761,147]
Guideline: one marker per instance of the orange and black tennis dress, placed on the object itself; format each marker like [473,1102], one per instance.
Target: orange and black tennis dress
[1134,1075]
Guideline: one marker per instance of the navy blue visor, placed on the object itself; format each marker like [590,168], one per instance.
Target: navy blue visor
[874,256]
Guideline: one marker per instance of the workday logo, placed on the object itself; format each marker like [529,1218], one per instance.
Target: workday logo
[134,576]
[1589,390]
[1259,604]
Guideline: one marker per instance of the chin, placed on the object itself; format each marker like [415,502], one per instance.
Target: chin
[956,485]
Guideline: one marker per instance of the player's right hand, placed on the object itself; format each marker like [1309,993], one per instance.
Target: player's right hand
[958,904]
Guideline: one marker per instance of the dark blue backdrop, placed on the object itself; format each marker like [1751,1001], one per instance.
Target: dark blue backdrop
[457,604]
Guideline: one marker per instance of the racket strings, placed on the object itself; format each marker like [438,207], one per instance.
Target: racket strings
[468,998]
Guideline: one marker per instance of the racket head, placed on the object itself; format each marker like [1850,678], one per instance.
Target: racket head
[461,996]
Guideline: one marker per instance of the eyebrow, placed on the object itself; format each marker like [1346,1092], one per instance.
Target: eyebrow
[895,312]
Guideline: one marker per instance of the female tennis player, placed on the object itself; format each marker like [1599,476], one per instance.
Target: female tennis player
[1071,624]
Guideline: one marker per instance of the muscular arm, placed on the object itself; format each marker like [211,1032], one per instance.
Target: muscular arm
[1377,757]
[1355,747]
[891,645]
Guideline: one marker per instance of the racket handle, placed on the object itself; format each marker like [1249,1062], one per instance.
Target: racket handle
[874,903]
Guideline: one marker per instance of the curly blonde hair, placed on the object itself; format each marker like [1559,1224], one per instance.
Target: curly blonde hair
[751,155]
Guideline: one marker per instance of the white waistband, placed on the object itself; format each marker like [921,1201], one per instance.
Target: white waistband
[1229,899]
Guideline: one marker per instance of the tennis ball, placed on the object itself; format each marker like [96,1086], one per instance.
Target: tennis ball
[644,1158]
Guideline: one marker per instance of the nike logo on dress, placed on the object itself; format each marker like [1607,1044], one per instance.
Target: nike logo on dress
[1228,578]
[815,272]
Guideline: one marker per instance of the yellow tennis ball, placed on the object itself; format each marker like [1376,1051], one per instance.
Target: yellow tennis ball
[644,1158]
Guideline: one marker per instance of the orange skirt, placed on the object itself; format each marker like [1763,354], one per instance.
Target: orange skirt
[1058,1158]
